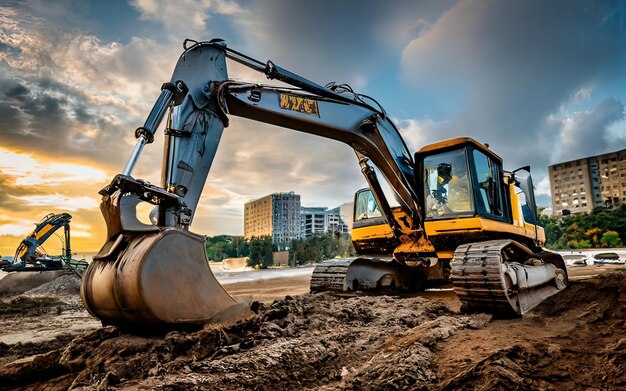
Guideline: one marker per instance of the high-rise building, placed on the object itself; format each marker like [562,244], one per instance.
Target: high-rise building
[276,215]
[319,220]
[334,223]
[583,184]
[312,220]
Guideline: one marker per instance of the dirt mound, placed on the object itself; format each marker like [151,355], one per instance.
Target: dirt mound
[317,340]
[66,285]
[234,263]
[25,306]
[322,341]
[20,282]
[591,354]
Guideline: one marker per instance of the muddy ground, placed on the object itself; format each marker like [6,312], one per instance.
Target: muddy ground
[575,340]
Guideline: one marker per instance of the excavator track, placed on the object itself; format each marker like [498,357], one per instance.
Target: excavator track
[477,278]
[358,274]
[485,279]
[330,275]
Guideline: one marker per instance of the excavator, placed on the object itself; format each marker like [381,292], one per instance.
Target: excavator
[30,257]
[457,216]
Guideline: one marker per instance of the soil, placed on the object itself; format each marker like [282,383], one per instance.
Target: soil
[574,340]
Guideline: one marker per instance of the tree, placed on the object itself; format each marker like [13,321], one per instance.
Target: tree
[261,253]
[611,239]
[297,252]
[320,247]
[594,236]
[585,229]
[225,246]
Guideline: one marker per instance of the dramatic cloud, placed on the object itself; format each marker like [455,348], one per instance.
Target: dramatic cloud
[17,228]
[28,171]
[516,63]
[586,133]
[539,81]
[185,18]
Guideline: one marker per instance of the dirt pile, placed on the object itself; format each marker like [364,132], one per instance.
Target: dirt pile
[574,340]
[20,282]
[590,352]
[313,341]
[66,285]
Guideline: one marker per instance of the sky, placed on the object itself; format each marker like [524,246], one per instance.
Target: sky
[540,81]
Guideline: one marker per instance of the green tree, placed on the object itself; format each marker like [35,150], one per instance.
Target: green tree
[225,246]
[261,253]
[297,252]
[582,228]
[594,235]
[611,239]
[320,247]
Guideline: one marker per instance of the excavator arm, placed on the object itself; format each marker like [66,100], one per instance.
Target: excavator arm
[157,273]
[307,107]
[27,248]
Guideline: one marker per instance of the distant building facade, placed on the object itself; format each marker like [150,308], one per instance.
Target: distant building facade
[319,220]
[276,215]
[312,221]
[334,222]
[583,184]
[346,211]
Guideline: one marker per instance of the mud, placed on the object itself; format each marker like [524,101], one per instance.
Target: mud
[575,340]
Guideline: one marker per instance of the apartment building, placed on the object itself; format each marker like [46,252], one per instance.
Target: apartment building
[319,220]
[276,215]
[583,184]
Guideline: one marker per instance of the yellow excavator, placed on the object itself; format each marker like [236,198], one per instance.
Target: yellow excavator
[459,217]
[30,256]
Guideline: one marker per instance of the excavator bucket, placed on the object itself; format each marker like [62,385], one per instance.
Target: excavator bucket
[156,278]
[158,273]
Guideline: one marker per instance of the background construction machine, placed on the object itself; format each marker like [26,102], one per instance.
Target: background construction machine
[460,215]
[30,255]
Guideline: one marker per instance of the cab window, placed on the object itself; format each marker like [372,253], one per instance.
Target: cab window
[489,199]
[447,185]
[366,206]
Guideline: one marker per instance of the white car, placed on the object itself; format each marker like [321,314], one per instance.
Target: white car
[575,259]
[607,258]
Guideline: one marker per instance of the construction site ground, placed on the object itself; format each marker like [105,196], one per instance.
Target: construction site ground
[297,340]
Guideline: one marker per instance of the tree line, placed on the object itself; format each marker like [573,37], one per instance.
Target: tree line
[600,228]
[259,250]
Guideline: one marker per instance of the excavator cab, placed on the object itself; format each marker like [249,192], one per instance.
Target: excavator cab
[482,222]
[465,196]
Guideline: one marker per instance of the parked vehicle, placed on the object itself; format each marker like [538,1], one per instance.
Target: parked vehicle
[575,259]
[607,258]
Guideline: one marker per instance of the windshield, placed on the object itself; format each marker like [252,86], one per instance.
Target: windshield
[446,185]
[366,206]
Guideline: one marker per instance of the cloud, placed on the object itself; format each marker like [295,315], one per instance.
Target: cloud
[517,63]
[543,187]
[184,18]
[586,133]
[59,201]
[17,228]
[28,171]
[419,132]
